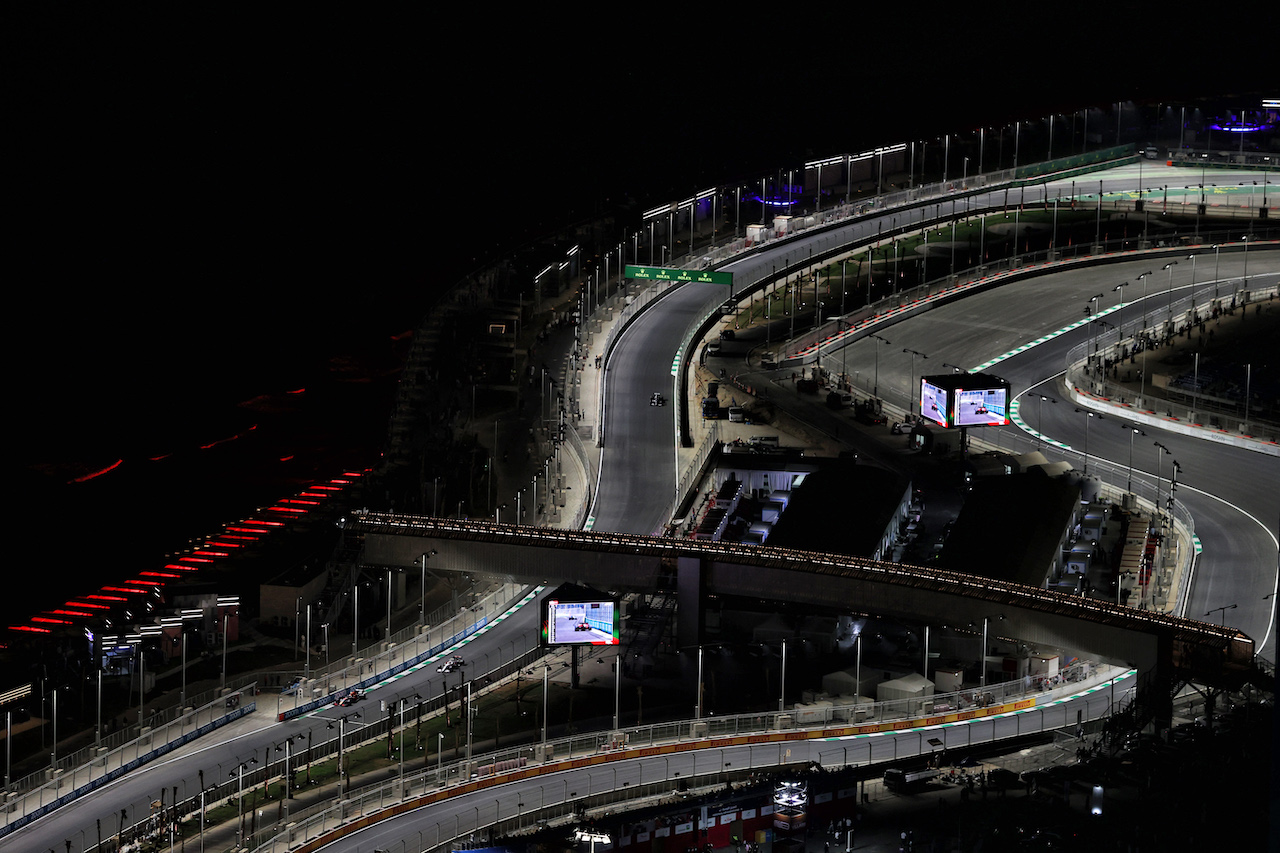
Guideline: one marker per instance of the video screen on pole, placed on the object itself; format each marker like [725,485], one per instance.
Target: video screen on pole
[933,403]
[982,407]
[587,623]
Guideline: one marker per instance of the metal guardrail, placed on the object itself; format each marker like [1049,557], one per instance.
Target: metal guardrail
[1086,369]
[366,803]
[31,801]
[131,755]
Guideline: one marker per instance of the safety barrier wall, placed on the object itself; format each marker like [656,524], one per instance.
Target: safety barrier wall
[323,823]
[123,766]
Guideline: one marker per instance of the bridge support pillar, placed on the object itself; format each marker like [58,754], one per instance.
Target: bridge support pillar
[688,601]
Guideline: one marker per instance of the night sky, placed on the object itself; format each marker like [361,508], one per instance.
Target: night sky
[208,208]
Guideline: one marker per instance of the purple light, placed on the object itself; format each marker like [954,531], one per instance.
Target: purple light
[1239,128]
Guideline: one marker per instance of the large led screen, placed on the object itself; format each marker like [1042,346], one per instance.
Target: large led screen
[933,403]
[587,623]
[982,407]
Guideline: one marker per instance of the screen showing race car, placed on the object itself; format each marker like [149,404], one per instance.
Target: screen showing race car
[933,403]
[589,623]
[982,407]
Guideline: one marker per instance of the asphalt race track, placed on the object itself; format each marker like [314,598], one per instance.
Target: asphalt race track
[1229,491]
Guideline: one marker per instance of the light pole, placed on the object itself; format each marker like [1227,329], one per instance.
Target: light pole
[1143,278]
[417,698]
[203,792]
[1088,415]
[1223,611]
[1216,257]
[1244,281]
[1161,450]
[982,659]
[1120,316]
[422,589]
[546,676]
[389,597]
[1192,258]
[1133,430]
[1090,309]
[782,694]
[912,393]
[288,778]
[1040,417]
[1169,266]
[342,731]
[239,771]
[875,390]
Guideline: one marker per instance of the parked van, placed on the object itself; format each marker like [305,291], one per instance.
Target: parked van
[764,440]
[736,415]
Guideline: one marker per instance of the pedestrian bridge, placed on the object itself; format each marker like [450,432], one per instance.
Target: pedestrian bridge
[1165,649]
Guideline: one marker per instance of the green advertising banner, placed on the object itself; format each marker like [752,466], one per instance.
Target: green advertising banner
[667,274]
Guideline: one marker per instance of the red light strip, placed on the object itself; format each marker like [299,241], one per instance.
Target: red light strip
[126,589]
[49,620]
[108,597]
[85,478]
[75,613]
[177,567]
[30,628]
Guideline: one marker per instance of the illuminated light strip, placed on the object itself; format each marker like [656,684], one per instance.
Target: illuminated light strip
[85,478]
[178,567]
[286,509]
[50,620]
[300,501]
[74,613]
[155,575]
[97,597]
[207,553]
[30,628]
[204,560]
[125,589]
[90,604]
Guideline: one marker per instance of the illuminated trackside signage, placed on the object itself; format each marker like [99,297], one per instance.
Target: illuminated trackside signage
[667,274]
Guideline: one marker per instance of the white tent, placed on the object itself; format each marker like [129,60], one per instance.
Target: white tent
[840,682]
[913,686]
